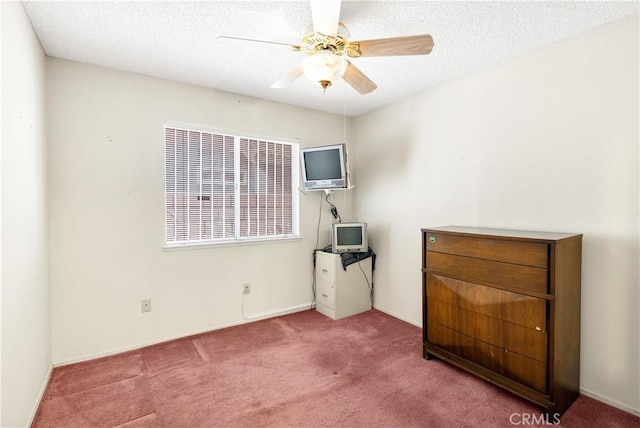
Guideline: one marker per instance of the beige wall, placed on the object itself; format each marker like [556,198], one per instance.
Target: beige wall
[548,141]
[106,184]
[26,333]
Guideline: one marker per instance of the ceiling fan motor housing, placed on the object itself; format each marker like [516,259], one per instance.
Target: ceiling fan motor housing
[313,42]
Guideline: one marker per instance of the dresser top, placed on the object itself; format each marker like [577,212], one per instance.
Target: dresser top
[504,233]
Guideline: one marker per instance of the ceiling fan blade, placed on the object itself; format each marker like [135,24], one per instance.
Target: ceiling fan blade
[288,78]
[294,47]
[358,80]
[326,15]
[409,45]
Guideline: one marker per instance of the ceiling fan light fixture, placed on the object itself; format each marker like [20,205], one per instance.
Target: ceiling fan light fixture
[324,68]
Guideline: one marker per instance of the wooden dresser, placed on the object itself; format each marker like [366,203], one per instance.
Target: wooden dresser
[505,305]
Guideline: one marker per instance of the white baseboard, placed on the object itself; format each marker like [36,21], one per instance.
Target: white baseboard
[400,317]
[264,315]
[34,411]
[279,312]
[610,401]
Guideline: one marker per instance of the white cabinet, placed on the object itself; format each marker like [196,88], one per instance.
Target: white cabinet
[339,292]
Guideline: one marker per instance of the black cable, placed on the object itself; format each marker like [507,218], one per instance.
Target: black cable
[334,210]
[369,284]
[315,248]
[318,226]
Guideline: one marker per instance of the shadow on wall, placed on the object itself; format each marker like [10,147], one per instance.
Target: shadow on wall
[612,259]
[379,241]
[383,157]
[379,236]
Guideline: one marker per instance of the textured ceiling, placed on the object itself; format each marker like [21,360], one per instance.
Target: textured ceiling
[177,41]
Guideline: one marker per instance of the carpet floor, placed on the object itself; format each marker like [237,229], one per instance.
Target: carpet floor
[299,370]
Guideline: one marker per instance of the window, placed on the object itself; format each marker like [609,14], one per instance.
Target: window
[223,188]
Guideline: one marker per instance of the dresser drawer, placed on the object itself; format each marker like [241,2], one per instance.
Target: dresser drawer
[516,252]
[520,309]
[505,335]
[488,272]
[527,371]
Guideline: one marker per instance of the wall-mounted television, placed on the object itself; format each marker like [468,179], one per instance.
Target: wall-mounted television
[324,168]
[349,238]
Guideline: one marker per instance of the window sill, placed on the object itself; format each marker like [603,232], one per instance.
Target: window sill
[231,243]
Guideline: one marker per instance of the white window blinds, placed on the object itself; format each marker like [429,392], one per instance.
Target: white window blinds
[225,188]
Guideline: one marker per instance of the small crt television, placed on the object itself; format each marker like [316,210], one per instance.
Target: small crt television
[349,238]
[324,168]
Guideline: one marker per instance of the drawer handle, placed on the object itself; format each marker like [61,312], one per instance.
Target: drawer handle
[324,270]
[325,296]
[432,239]
[538,328]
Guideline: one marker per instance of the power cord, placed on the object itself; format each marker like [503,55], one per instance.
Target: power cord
[334,211]
[242,307]
[369,284]
[318,226]
[315,248]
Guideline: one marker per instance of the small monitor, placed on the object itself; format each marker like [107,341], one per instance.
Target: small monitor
[324,167]
[349,238]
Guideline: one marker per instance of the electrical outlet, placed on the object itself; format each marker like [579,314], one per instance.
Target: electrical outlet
[246,288]
[145,305]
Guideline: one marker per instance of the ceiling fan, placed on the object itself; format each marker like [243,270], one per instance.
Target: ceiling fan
[326,42]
